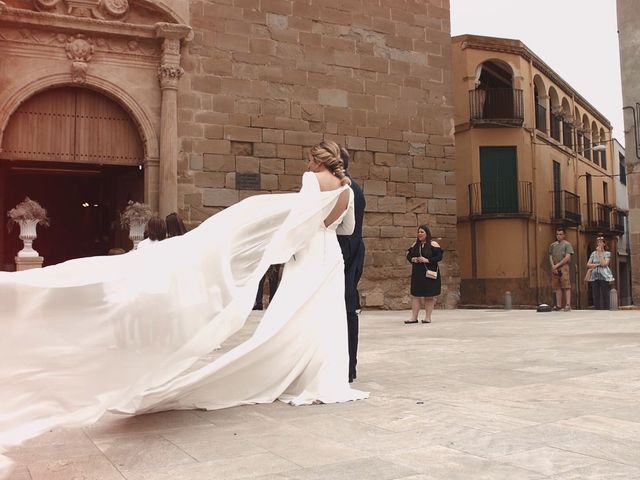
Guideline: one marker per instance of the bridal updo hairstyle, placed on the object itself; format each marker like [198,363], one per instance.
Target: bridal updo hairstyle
[327,153]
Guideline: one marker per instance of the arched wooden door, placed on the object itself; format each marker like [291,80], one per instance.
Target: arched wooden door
[79,154]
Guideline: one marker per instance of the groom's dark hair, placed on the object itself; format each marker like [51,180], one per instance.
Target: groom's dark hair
[344,156]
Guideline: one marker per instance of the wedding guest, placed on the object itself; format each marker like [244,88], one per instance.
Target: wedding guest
[175,225]
[601,275]
[156,232]
[426,284]
[560,253]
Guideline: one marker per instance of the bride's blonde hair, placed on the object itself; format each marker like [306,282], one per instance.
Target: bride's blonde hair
[327,153]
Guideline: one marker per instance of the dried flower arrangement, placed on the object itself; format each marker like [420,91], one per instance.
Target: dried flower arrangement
[135,213]
[27,210]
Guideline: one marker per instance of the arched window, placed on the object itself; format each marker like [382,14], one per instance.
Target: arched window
[577,122]
[587,137]
[555,112]
[567,126]
[595,137]
[603,154]
[494,100]
[540,97]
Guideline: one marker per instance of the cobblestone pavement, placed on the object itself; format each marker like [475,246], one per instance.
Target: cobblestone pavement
[474,395]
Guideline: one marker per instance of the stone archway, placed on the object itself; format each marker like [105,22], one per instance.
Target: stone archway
[80,154]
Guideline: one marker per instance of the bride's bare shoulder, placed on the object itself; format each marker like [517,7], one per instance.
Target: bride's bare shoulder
[327,181]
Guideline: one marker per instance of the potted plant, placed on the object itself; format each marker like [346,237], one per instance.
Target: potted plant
[135,217]
[28,214]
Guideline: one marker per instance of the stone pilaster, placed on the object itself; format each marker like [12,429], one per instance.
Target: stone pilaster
[169,73]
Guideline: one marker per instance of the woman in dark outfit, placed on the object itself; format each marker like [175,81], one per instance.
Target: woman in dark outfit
[424,256]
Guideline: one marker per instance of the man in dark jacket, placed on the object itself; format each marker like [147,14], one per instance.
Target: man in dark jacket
[353,253]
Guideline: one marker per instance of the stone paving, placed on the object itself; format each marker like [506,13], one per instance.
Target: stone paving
[475,395]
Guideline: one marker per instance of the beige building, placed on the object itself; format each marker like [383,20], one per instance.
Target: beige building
[192,106]
[629,38]
[532,155]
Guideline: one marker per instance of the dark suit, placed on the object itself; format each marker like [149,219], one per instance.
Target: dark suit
[353,253]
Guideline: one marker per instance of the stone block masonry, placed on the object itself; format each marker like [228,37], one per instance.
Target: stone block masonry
[265,80]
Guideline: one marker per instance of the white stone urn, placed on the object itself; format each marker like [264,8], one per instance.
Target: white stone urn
[28,234]
[136,233]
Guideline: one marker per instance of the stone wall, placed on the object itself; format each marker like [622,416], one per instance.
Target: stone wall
[266,80]
[629,36]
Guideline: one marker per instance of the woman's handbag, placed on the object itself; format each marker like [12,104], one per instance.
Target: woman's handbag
[432,274]
[587,277]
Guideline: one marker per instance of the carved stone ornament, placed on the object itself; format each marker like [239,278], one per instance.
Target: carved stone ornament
[169,75]
[100,9]
[116,8]
[80,51]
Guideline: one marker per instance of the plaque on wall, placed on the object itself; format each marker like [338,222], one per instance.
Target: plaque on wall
[247,181]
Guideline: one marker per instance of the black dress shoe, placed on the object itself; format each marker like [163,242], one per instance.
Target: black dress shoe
[410,321]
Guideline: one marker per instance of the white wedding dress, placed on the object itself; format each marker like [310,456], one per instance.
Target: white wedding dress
[119,333]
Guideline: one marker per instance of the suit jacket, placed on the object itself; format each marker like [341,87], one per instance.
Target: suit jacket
[353,252]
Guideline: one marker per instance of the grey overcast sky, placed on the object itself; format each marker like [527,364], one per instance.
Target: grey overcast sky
[578,39]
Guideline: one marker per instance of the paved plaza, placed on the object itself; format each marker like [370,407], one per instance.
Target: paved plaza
[478,394]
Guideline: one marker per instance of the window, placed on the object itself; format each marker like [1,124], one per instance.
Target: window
[499,179]
[557,193]
[605,193]
[567,134]
[623,169]
[587,148]
[556,126]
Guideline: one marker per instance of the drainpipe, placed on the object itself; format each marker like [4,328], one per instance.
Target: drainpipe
[533,192]
[579,274]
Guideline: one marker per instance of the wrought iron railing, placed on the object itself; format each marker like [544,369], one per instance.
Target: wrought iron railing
[496,104]
[599,216]
[490,198]
[618,221]
[565,207]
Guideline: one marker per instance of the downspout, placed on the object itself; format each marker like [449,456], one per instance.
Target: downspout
[533,193]
[578,270]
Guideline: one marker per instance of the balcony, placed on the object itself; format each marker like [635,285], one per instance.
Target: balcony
[598,217]
[500,199]
[617,221]
[565,207]
[496,106]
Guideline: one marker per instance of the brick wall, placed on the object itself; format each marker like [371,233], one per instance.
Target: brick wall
[267,79]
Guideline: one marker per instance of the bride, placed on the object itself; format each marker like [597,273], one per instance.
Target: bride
[122,333]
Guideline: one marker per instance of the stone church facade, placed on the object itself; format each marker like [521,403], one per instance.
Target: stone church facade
[194,106]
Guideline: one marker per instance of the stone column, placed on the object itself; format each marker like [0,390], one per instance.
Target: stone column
[628,21]
[169,74]
[152,183]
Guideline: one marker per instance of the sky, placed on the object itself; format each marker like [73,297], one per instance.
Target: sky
[578,39]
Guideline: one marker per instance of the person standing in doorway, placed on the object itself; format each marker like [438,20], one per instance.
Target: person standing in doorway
[352,247]
[560,253]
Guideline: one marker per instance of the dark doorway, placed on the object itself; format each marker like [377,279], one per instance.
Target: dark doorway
[83,202]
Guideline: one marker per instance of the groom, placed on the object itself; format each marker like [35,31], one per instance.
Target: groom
[353,253]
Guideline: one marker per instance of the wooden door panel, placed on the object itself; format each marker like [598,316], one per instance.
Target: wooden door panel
[72,125]
[42,128]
